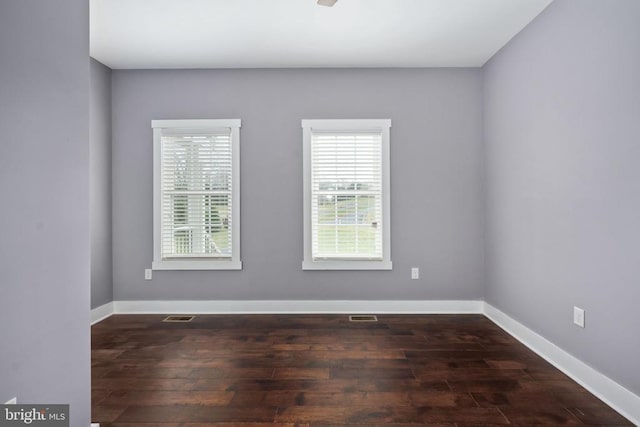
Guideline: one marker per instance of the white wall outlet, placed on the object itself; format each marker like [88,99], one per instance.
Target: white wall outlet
[13,401]
[148,274]
[578,316]
[415,273]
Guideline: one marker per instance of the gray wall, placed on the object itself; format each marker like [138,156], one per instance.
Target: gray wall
[44,220]
[436,165]
[562,109]
[100,184]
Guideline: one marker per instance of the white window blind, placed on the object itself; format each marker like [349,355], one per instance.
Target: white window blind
[346,194]
[196,195]
[196,190]
[346,202]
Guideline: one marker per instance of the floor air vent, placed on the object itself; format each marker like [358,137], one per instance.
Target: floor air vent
[363,318]
[178,318]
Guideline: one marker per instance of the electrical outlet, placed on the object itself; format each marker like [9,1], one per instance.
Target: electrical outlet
[415,273]
[148,275]
[13,401]
[578,316]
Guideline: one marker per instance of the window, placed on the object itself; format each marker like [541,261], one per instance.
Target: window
[196,203]
[346,195]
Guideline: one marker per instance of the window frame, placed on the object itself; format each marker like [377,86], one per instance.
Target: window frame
[349,125]
[206,263]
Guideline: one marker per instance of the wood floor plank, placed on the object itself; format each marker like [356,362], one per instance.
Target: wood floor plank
[394,384]
[470,374]
[515,398]
[295,385]
[442,399]
[316,398]
[373,363]
[154,372]
[141,384]
[301,373]
[398,414]
[378,373]
[257,373]
[103,424]
[105,413]
[486,385]
[196,414]
[545,415]
[237,424]
[387,425]
[322,370]
[598,416]
[169,398]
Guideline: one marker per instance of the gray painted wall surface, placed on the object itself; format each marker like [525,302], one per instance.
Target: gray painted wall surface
[436,165]
[563,181]
[44,220]
[100,184]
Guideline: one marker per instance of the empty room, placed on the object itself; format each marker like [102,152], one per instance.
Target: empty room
[319,212]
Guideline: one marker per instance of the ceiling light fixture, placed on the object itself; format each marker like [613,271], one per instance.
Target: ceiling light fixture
[327,3]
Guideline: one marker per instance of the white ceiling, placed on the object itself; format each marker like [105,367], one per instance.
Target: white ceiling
[299,33]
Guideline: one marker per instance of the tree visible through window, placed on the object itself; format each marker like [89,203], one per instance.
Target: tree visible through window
[196,194]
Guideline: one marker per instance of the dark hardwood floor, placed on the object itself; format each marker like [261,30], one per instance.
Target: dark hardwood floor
[321,370]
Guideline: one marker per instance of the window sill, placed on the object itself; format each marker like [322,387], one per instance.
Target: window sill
[196,265]
[347,265]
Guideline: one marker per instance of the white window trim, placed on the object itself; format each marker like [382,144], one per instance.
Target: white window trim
[234,263]
[383,125]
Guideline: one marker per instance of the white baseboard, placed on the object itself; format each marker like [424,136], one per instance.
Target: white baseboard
[101,313]
[607,390]
[297,307]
